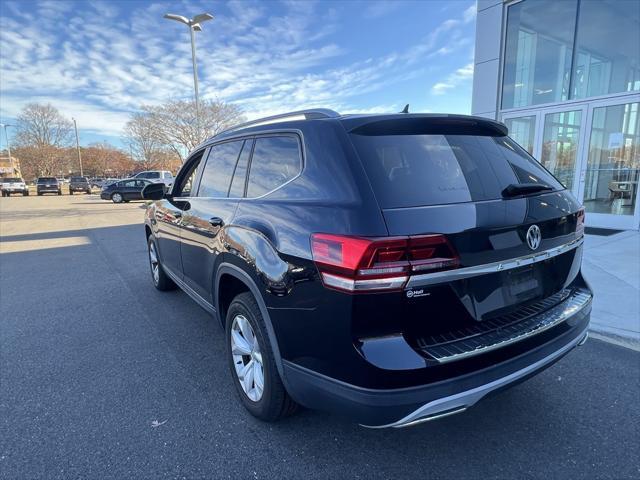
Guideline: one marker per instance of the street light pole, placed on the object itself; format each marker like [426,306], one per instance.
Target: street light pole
[195,74]
[75,126]
[6,135]
[194,26]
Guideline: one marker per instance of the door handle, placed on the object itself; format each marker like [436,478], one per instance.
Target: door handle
[216,222]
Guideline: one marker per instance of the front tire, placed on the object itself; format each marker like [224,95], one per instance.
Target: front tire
[252,362]
[159,277]
[117,197]
[70,192]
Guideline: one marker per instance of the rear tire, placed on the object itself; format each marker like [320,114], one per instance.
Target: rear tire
[251,358]
[116,197]
[159,277]
[59,192]
[70,192]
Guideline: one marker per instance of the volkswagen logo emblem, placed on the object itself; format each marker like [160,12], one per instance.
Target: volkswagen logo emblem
[533,237]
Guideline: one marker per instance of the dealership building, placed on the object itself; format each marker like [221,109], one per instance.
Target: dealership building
[564,76]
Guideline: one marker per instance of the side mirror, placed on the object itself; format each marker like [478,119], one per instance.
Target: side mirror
[154,191]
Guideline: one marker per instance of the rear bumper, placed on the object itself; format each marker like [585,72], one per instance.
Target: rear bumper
[48,190]
[380,408]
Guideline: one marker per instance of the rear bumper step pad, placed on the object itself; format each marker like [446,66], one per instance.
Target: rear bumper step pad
[502,331]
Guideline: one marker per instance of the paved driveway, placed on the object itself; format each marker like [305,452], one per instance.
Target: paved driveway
[104,377]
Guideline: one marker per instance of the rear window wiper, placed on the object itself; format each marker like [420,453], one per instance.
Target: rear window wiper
[516,189]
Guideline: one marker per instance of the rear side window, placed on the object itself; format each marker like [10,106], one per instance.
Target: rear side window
[216,176]
[416,170]
[275,161]
[153,175]
[236,189]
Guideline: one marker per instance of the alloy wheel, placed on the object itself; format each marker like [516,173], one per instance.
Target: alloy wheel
[153,260]
[116,197]
[247,358]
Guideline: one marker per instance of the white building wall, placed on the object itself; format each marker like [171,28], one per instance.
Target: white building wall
[486,72]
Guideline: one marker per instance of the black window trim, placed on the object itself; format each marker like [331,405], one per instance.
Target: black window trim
[254,136]
[204,155]
[235,167]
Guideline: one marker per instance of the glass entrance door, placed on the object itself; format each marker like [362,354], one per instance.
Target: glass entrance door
[611,169]
[593,148]
[562,143]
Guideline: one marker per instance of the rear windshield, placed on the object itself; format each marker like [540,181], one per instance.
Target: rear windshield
[79,179]
[415,170]
[47,180]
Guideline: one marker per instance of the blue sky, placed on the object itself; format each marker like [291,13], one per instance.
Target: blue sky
[98,61]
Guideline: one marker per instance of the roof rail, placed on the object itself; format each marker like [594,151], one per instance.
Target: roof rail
[309,114]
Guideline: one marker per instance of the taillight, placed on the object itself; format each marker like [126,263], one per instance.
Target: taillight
[358,264]
[580,222]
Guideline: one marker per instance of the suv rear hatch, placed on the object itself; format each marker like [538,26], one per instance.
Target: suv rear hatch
[464,179]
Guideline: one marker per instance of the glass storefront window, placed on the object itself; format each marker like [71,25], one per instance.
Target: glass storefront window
[613,165]
[523,131]
[607,48]
[539,47]
[561,135]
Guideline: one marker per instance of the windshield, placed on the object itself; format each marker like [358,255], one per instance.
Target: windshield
[417,170]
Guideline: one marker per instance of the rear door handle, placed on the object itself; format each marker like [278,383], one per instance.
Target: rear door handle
[216,222]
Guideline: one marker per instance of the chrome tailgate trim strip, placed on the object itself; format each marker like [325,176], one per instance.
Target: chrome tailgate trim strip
[468,272]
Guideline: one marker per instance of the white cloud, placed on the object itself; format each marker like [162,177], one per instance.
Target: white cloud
[469,15]
[99,68]
[455,79]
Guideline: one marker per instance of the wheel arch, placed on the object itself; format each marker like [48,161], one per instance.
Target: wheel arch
[239,275]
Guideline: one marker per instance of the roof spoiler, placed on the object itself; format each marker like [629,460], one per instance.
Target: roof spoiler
[427,124]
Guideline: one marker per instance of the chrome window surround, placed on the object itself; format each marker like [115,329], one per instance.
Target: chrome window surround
[468,272]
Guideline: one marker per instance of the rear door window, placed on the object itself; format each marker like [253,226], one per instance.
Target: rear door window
[275,161]
[216,176]
[417,170]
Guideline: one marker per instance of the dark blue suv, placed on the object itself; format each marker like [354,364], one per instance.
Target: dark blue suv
[390,268]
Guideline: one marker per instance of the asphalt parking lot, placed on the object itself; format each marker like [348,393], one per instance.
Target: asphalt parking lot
[104,377]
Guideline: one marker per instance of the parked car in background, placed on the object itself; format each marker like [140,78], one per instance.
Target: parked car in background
[13,185]
[124,190]
[48,185]
[157,176]
[96,182]
[393,269]
[79,184]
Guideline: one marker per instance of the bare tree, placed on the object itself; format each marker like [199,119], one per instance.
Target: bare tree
[143,139]
[176,125]
[43,132]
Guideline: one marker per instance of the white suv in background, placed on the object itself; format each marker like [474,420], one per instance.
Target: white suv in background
[157,176]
